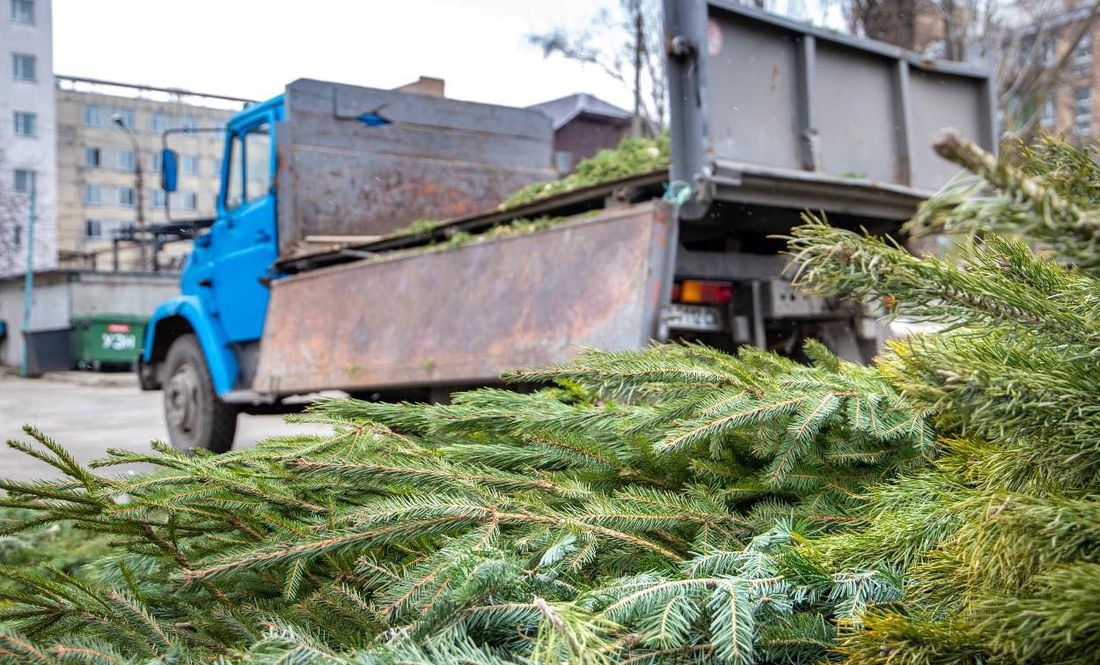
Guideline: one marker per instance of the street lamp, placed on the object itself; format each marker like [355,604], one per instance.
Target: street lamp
[139,182]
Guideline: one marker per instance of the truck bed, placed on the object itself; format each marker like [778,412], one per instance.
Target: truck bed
[739,182]
[461,315]
[359,161]
[640,186]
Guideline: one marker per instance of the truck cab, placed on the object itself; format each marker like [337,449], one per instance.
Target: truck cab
[223,287]
[353,163]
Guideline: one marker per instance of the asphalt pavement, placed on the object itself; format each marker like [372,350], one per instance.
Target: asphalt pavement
[89,412]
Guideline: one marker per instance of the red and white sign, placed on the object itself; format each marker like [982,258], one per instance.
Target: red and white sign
[714,38]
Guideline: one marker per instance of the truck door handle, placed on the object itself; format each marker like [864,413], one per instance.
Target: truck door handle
[206,281]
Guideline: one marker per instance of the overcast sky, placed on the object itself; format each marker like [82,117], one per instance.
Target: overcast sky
[252,48]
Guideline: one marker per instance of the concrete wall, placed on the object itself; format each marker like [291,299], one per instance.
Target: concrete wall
[49,310]
[61,295]
[121,293]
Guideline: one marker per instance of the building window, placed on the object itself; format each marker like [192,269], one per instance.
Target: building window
[1025,51]
[92,158]
[1048,53]
[26,124]
[1082,57]
[1046,116]
[91,116]
[22,67]
[24,180]
[190,201]
[188,122]
[127,116]
[126,197]
[155,162]
[158,123]
[160,198]
[124,160]
[1082,110]
[17,235]
[189,164]
[91,195]
[93,228]
[22,11]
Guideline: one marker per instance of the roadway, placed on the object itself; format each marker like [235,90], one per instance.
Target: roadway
[89,412]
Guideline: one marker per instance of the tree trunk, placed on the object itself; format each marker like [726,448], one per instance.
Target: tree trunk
[639,44]
[954,33]
[890,21]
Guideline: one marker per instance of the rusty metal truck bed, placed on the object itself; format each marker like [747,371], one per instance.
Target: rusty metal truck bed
[461,315]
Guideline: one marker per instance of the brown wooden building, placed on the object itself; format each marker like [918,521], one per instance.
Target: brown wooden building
[583,125]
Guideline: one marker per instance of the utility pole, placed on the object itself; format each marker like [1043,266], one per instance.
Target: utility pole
[639,46]
[139,186]
[28,277]
[139,182]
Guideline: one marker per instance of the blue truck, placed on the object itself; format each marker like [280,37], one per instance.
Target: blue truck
[316,274]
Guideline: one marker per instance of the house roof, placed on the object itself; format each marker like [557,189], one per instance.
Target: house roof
[565,109]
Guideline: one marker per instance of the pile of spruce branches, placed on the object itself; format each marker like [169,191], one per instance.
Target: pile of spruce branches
[632,156]
[671,506]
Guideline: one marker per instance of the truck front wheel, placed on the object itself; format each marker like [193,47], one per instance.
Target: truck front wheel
[196,417]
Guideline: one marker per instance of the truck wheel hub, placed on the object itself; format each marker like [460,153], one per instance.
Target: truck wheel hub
[183,396]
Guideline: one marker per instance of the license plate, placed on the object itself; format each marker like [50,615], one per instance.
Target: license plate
[694,317]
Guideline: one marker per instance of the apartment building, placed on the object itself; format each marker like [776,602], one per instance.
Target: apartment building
[1047,49]
[28,140]
[1069,111]
[106,131]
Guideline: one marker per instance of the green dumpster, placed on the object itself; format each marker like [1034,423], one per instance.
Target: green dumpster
[107,340]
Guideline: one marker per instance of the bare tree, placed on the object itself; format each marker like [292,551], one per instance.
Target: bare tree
[1037,60]
[947,29]
[13,219]
[626,45]
[1030,43]
[890,21]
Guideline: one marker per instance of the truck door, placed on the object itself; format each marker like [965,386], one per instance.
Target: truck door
[242,269]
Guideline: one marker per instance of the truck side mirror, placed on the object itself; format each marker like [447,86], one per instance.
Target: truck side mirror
[169,172]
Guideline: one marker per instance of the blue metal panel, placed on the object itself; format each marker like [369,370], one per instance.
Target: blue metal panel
[240,296]
[219,358]
[245,238]
[230,264]
[224,298]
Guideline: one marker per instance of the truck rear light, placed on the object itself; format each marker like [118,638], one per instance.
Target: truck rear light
[702,292]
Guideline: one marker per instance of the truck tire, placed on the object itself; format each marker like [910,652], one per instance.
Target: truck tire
[196,418]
